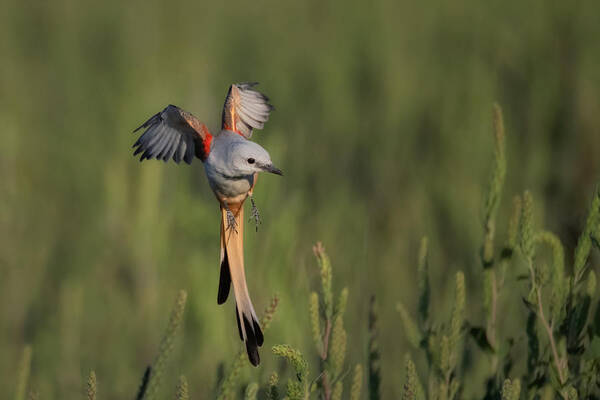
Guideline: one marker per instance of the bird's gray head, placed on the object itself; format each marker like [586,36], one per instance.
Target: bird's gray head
[248,157]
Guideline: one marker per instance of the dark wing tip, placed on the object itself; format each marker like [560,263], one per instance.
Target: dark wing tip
[138,128]
[151,121]
[146,155]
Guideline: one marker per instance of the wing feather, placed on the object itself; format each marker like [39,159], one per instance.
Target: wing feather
[178,156]
[161,144]
[252,122]
[172,148]
[256,108]
[154,142]
[245,109]
[190,152]
[167,146]
[174,134]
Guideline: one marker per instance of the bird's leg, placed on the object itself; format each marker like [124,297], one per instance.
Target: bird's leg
[231,223]
[255,214]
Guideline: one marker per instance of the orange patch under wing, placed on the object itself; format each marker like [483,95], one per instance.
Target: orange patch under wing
[206,145]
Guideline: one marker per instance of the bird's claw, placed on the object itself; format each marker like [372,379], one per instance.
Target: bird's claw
[231,222]
[255,214]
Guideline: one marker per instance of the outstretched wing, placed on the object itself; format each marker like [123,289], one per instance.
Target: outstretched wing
[173,133]
[245,109]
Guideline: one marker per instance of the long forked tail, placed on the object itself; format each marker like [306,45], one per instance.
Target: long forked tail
[232,271]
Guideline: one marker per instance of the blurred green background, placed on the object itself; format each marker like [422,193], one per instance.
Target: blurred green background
[382,127]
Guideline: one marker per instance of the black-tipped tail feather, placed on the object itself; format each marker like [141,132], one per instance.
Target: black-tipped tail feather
[254,338]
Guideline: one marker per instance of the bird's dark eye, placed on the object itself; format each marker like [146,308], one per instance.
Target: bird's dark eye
[251,161]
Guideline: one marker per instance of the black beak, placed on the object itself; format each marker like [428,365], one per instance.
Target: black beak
[272,169]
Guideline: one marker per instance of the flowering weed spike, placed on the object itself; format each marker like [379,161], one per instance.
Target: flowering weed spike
[228,386]
[337,391]
[374,355]
[507,390]
[272,391]
[445,356]
[182,389]
[511,390]
[91,386]
[513,224]
[294,357]
[584,244]
[495,188]
[338,346]
[166,345]
[315,321]
[294,390]
[340,307]
[411,384]
[526,227]
[269,312]
[516,389]
[251,391]
[458,313]
[423,281]
[357,380]
[326,277]
[456,324]
[410,328]
[23,373]
[559,283]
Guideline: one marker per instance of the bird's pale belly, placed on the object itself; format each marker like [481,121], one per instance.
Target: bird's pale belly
[230,189]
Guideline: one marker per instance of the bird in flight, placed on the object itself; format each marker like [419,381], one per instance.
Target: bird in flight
[232,163]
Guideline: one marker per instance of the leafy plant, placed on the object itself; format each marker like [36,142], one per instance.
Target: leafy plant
[563,354]
[330,339]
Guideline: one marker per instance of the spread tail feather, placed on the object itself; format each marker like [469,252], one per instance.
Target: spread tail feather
[232,271]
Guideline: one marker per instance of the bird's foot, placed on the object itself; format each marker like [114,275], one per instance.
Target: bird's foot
[231,222]
[255,215]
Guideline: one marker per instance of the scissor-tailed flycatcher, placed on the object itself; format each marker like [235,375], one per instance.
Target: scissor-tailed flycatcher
[232,163]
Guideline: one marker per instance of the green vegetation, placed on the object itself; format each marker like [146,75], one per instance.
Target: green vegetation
[383,129]
[562,323]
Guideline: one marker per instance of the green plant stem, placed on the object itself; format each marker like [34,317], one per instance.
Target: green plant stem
[325,379]
[548,328]
[326,385]
[326,340]
[557,360]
